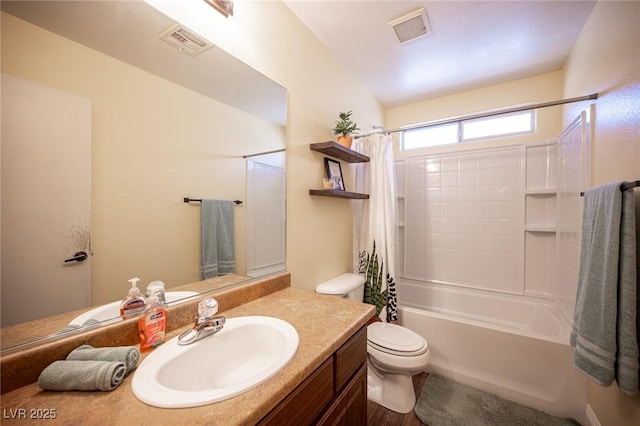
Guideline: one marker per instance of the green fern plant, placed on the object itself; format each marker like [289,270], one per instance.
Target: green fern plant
[373,293]
[344,126]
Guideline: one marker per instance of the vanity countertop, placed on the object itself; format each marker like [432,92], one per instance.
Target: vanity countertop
[323,323]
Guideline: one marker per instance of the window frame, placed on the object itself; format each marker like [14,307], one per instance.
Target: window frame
[460,129]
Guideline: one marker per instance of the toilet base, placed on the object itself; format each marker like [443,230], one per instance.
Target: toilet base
[392,391]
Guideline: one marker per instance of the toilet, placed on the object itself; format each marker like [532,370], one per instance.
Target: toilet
[394,353]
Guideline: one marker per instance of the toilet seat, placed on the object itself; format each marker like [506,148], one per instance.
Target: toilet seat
[395,340]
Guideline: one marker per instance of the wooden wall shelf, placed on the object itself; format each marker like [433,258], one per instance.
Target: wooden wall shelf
[338,151]
[336,193]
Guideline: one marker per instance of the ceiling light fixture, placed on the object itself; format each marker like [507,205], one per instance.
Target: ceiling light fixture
[223,6]
[411,26]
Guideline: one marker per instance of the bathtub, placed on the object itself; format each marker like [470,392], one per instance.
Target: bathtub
[513,346]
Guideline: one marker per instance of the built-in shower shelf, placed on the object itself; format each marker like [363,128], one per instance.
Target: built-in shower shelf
[540,228]
[541,191]
[540,210]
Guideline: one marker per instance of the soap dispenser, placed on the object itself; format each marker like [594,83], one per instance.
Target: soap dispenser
[157,287]
[152,325]
[135,302]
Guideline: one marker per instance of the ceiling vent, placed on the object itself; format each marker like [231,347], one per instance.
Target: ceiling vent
[185,40]
[411,26]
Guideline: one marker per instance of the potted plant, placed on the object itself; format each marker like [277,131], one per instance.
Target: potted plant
[343,129]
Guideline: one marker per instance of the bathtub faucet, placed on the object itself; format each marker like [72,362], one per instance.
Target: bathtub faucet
[206,324]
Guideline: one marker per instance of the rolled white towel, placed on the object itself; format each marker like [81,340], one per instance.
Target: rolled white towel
[129,355]
[82,375]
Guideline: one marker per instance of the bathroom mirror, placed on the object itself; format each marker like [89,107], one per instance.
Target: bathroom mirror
[165,123]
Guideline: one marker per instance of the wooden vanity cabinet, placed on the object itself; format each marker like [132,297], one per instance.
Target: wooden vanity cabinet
[334,394]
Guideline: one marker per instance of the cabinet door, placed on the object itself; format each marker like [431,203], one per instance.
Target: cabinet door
[306,402]
[350,408]
[350,357]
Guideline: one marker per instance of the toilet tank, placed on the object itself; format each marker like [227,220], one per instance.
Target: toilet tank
[348,286]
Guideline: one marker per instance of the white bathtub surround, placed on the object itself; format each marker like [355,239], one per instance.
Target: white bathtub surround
[514,346]
[537,318]
[374,229]
[488,265]
[463,221]
[574,155]
[495,218]
[522,357]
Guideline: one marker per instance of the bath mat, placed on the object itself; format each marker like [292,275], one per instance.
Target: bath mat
[444,402]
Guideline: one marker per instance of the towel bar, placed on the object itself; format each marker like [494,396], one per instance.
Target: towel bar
[624,186]
[199,200]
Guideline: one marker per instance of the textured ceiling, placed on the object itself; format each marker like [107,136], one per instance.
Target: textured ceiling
[472,44]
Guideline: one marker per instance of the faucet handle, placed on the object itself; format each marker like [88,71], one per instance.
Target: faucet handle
[208,307]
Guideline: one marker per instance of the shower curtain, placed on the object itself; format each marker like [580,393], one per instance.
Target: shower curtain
[374,232]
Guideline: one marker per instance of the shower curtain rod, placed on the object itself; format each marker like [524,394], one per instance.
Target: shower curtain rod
[482,115]
[264,153]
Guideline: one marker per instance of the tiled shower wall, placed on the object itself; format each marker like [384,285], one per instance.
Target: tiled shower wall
[463,216]
[266,214]
[573,177]
[503,219]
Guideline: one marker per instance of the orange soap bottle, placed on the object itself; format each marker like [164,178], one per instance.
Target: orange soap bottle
[152,324]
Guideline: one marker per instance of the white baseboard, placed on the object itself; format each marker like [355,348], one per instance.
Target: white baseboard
[591,418]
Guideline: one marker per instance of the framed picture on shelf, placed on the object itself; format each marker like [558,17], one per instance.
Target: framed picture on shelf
[334,172]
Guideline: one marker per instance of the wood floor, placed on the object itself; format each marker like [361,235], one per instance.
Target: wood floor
[380,416]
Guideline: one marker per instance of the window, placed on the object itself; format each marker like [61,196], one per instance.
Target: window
[467,130]
[499,125]
[443,134]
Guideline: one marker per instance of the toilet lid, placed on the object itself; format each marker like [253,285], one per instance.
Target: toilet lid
[395,339]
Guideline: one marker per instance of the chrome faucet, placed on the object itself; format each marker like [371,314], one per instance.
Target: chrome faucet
[206,324]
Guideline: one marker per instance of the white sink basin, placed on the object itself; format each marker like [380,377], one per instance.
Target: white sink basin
[245,353]
[111,311]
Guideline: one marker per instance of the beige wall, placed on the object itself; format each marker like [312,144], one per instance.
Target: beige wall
[606,59]
[154,143]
